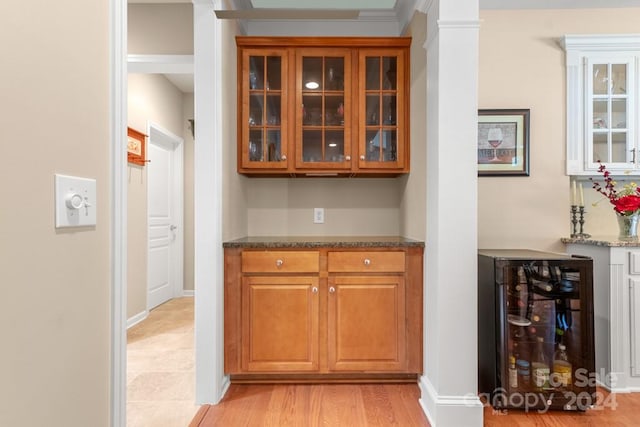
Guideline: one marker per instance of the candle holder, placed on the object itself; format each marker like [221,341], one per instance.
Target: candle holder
[575,220]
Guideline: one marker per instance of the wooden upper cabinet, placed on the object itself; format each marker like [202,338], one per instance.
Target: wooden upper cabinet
[323,125]
[323,106]
[383,128]
[262,143]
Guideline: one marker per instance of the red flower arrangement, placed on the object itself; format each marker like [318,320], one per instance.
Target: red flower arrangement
[625,201]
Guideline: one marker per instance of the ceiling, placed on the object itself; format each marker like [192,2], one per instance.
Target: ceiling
[348,9]
[389,4]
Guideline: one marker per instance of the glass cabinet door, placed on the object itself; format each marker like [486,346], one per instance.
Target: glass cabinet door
[608,112]
[381,139]
[323,105]
[264,109]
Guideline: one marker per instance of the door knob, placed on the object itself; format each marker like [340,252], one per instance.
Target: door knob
[173,227]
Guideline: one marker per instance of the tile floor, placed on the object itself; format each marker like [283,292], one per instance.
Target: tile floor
[161,367]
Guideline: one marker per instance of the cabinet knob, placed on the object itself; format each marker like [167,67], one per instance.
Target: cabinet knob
[314,289]
[283,157]
[362,157]
[332,289]
[347,158]
[367,261]
[279,263]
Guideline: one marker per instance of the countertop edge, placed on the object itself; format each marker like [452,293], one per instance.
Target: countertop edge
[607,241]
[322,242]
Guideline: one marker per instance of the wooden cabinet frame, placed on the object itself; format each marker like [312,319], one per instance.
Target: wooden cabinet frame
[354,162]
[399,357]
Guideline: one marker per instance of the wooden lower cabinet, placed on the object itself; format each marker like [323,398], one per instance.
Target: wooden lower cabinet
[323,315]
[280,320]
[366,324]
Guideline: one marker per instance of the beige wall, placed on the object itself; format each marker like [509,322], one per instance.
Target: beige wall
[234,207]
[187,114]
[413,204]
[55,310]
[523,66]
[281,206]
[155,29]
[151,97]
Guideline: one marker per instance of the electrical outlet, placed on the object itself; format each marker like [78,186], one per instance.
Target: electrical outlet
[318,215]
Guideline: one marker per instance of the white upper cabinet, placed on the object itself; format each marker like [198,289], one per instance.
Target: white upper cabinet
[602,103]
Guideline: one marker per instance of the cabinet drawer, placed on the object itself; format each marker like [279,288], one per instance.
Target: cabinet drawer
[280,262]
[362,262]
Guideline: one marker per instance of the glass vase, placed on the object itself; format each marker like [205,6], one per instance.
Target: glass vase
[628,226]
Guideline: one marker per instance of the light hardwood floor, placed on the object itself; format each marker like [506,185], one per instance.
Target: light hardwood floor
[160,387]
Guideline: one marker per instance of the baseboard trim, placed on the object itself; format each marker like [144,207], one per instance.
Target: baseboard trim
[465,410]
[134,320]
[226,383]
[188,293]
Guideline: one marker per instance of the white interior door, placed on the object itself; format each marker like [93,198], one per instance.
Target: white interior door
[164,217]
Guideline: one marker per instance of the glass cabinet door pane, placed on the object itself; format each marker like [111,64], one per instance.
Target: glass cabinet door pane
[389,69]
[273,146]
[256,146]
[273,110]
[334,146]
[256,72]
[274,72]
[619,79]
[373,110]
[389,146]
[312,73]
[334,111]
[312,146]
[312,110]
[601,147]
[600,114]
[334,74]
[600,79]
[619,147]
[255,110]
[389,112]
[373,73]
[374,146]
[618,113]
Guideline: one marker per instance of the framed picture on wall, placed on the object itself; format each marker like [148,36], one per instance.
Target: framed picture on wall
[136,147]
[503,142]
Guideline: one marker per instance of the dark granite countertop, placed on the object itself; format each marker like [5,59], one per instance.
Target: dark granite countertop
[321,241]
[610,241]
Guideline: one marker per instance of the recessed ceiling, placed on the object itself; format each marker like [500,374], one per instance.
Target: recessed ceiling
[324,4]
[185,82]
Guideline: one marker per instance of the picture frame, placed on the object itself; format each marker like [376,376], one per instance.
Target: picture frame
[136,147]
[503,142]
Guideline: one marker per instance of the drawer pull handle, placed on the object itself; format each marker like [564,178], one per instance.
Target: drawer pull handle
[367,261]
[279,263]
[332,289]
[314,289]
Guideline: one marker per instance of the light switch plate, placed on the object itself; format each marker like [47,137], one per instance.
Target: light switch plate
[318,215]
[75,200]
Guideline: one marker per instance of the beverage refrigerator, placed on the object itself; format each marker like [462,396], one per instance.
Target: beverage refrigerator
[535,330]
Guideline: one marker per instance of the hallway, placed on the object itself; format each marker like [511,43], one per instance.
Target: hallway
[160,367]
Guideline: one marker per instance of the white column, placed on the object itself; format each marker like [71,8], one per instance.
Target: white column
[211,382]
[449,384]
